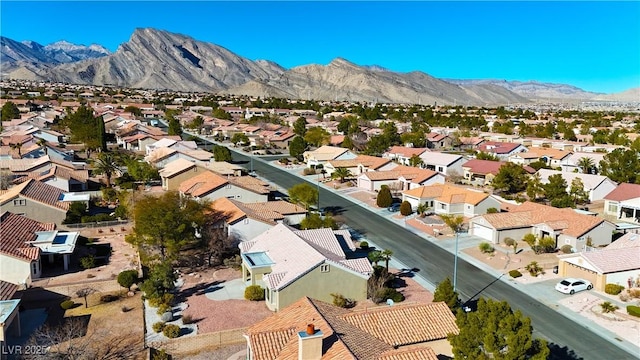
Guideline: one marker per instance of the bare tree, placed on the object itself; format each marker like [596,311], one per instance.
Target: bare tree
[73,340]
[5,180]
[84,292]
[216,243]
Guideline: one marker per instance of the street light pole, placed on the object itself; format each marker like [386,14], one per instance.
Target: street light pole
[455,264]
[318,189]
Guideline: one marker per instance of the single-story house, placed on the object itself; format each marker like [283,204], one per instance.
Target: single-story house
[447,164]
[438,141]
[402,154]
[483,171]
[551,157]
[326,153]
[570,164]
[503,150]
[399,178]
[208,185]
[565,226]
[624,202]
[451,200]
[360,164]
[314,329]
[596,186]
[293,263]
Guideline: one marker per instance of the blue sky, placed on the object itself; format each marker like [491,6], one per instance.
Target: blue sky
[592,45]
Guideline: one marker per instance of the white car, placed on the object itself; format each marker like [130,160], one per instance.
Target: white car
[573,285]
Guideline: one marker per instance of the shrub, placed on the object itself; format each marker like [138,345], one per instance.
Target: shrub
[364,245]
[515,273]
[633,310]
[127,278]
[234,262]
[534,269]
[389,293]
[486,248]
[566,249]
[88,262]
[309,171]
[108,298]
[547,244]
[284,161]
[405,208]
[159,326]
[384,199]
[509,241]
[608,307]
[171,331]
[67,304]
[613,289]
[340,301]
[187,319]
[530,239]
[163,308]
[492,210]
[166,299]
[634,293]
[254,293]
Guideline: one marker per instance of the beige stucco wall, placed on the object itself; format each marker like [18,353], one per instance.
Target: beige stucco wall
[173,183]
[320,285]
[36,211]
[15,271]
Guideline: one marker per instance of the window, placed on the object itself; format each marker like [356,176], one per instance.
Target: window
[324,268]
[613,208]
[567,241]
[230,197]
[34,268]
[228,186]
[443,206]
[246,220]
[19,202]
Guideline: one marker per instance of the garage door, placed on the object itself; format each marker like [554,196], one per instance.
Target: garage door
[482,232]
[575,271]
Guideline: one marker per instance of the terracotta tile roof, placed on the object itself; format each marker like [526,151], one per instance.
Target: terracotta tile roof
[615,260]
[325,153]
[371,162]
[280,206]
[201,185]
[406,152]
[24,165]
[323,240]
[483,167]
[556,154]
[176,167]
[7,290]
[423,353]
[404,325]
[250,183]
[624,191]
[160,153]
[63,173]
[627,240]
[16,231]
[448,194]
[37,191]
[497,147]
[528,214]
[434,136]
[267,345]
[236,210]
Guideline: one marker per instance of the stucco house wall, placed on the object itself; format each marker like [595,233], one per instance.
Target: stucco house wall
[36,211]
[18,271]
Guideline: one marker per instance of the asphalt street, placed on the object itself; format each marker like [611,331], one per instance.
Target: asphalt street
[568,339]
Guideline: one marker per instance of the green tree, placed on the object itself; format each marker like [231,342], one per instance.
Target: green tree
[222,153]
[415,161]
[127,278]
[622,165]
[219,113]
[166,224]
[75,213]
[84,127]
[142,171]
[385,255]
[196,123]
[44,144]
[297,147]
[341,173]
[486,156]
[535,188]
[175,128]
[240,138]
[511,179]
[134,110]
[106,164]
[444,292]
[586,165]
[101,133]
[494,331]
[10,111]
[405,208]
[347,143]
[454,222]
[161,280]
[577,192]
[316,221]
[556,187]
[375,257]
[317,136]
[303,194]
[300,126]
[384,199]
[376,146]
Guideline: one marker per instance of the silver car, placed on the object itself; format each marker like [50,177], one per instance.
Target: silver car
[573,285]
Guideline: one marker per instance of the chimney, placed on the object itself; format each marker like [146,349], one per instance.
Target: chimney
[310,344]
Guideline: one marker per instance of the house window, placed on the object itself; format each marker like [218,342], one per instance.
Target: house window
[246,221]
[567,241]
[34,268]
[443,206]
[19,202]
[228,186]
[440,169]
[324,268]
[613,208]
[230,197]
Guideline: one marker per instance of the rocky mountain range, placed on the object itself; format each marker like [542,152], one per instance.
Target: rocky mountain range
[157,59]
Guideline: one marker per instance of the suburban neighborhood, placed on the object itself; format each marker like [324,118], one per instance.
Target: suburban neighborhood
[178,225]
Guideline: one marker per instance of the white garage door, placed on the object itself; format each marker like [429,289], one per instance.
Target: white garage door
[482,231]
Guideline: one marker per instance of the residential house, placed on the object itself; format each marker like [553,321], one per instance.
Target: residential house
[60,177]
[565,226]
[551,157]
[326,153]
[166,142]
[596,186]
[359,165]
[224,168]
[160,157]
[281,140]
[446,164]
[624,202]
[402,154]
[618,263]
[451,200]
[399,178]
[482,172]
[503,150]
[292,263]
[314,329]
[177,171]
[571,163]
[35,200]
[469,143]
[210,186]
[437,141]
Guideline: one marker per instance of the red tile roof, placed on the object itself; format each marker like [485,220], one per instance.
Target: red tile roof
[497,147]
[624,191]
[16,231]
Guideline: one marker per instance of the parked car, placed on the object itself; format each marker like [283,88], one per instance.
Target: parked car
[573,285]
[394,207]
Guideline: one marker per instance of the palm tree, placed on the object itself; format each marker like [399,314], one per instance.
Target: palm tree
[586,164]
[386,256]
[415,161]
[106,164]
[44,144]
[17,146]
[375,257]
[422,208]
[341,173]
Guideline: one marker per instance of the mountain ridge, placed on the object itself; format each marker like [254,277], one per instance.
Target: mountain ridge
[159,59]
